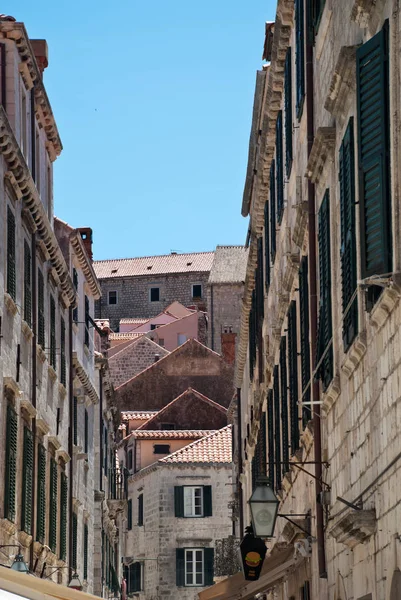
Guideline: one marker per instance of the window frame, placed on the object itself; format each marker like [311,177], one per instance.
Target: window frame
[192,489]
[161,445]
[108,297]
[196,297]
[192,551]
[150,293]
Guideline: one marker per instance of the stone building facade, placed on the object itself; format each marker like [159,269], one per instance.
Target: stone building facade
[321,314]
[133,359]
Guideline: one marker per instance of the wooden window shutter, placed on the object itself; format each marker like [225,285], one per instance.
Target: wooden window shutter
[284,404]
[325,329]
[27,482]
[259,282]
[209,566]
[272,210]
[75,417]
[270,437]
[348,241]
[180,567]
[140,510]
[52,332]
[75,283]
[41,495]
[293,376]
[86,540]
[63,516]
[63,366]
[11,463]
[279,167]
[87,321]
[135,577]
[41,310]
[300,55]
[267,247]
[74,540]
[374,155]
[262,440]
[277,432]
[207,501]
[53,505]
[129,515]
[179,501]
[252,335]
[304,338]
[27,284]
[288,111]
[11,280]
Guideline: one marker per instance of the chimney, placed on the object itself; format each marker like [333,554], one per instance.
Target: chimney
[86,235]
[156,358]
[41,54]
[228,345]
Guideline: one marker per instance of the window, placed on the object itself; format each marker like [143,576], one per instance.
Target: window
[53,506]
[11,463]
[63,369]
[37,160]
[194,567]
[41,495]
[259,459]
[374,158]
[27,284]
[270,437]
[87,321]
[24,138]
[113,297]
[284,404]
[279,167]
[304,338]
[276,424]
[193,501]
[52,332]
[267,247]
[293,376]
[74,540]
[75,416]
[129,460]
[316,7]
[129,515]
[305,591]
[135,578]
[272,211]
[86,540]
[153,327]
[181,338]
[288,111]
[140,510]
[63,516]
[252,335]
[300,55]
[11,281]
[27,482]
[161,449]
[154,294]
[196,290]
[75,283]
[86,432]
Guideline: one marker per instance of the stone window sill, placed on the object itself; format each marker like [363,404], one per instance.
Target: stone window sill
[62,391]
[10,304]
[41,354]
[354,354]
[331,395]
[52,373]
[26,330]
[384,307]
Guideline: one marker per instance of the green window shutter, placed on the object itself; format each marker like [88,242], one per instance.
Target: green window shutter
[284,404]
[270,437]
[86,536]
[180,567]
[304,338]
[325,329]
[11,280]
[267,247]
[41,495]
[272,210]
[27,284]
[53,505]
[288,111]
[259,282]
[252,335]
[63,516]
[74,540]
[52,332]
[277,433]
[27,482]
[140,510]
[87,321]
[374,155]
[41,310]
[129,515]
[207,501]
[63,367]
[293,376]
[279,167]
[75,283]
[86,431]
[179,501]
[208,554]
[135,577]
[316,9]
[262,439]
[11,463]
[348,241]
[300,55]
[75,416]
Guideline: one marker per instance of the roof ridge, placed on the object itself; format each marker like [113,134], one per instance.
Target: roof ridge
[153,256]
[194,443]
[135,341]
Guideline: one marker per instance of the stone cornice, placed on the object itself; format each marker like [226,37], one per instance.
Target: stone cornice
[32,77]
[16,164]
[342,82]
[354,528]
[84,379]
[85,264]
[322,149]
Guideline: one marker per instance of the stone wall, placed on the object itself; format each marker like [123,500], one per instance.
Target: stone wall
[133,359]
[224,311]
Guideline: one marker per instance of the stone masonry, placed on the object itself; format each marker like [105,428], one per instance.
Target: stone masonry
[133,359]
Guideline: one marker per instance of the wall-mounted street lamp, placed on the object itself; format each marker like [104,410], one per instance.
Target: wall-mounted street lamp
[75,583]
[19,563]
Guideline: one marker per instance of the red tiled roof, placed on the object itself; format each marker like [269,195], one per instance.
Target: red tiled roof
[213,448]
[133,415]
[176,434]
[129,335]
[154,265]
[133,321]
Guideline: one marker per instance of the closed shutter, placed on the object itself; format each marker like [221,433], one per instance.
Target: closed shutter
[105,451]
[129,461]
[179,500]
[252,335]
[27,284]
[284,403]
[293,376]
[140,510]
[288,111]
[129,515]
[11,280]
[279,167]
[272,210]
[316,7]
[41,310]
[348,240]
[207,501]
[135,577]
[75,417]
[267,247]
[27,482]
[304,341]
[374,155]
[277,432]
[87,321]
[52,332]
[300,55]
[262,441]
[75,283]
[86,432]
[270,437]
[75,539]
[11,463]
[208,554]
[63,516]
[325,330]
[53,506]
[41,495]
[63,368]
[180,567]
[259,282]
[86,536]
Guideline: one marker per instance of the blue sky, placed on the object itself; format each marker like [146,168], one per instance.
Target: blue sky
[153,101]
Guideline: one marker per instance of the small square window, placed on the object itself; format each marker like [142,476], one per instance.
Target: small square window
[161,449]
[112,297]
[154,294]
[193,501]
[153,327]
[196,290]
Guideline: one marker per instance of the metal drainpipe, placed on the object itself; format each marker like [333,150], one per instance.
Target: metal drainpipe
[239,441]
[70,434]
[33,395]
[313,304]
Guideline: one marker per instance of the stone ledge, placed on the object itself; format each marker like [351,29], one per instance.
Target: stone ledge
[322,150]
[55,442]
[354,528]
[355,354]
[331,395]
[11,384]
[10,304]
[43,426]
[52,373]
[342,82]
[41,354]
[384,307]
[28,407]
[24,539]
[7,526]
[27,331]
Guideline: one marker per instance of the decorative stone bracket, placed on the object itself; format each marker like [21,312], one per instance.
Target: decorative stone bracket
[354,527]
[342,81]
[322,149]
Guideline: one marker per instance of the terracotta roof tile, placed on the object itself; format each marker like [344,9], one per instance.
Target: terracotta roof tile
[129,335]
[154,265]
[176,434]
[133,321]
[213,448]
[133,415]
